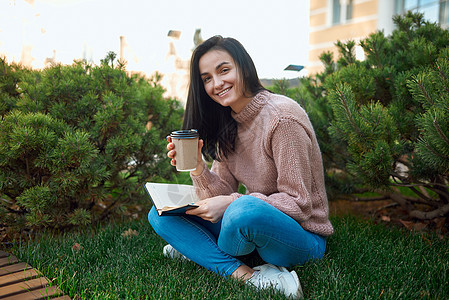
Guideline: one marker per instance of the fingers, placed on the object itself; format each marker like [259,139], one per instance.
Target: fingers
[202,211]
[171,152]
[170,145]
[197,210]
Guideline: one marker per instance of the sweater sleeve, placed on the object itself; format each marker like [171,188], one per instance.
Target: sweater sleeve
[215,182]
[291,148]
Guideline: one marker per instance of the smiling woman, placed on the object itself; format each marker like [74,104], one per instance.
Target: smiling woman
[221,80]
[264,142]
[217,65]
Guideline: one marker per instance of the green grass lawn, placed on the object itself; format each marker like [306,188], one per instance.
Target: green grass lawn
[363,261]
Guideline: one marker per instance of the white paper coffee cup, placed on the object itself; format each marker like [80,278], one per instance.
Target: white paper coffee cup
[186,147]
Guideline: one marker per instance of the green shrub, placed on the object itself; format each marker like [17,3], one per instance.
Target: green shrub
[77,142]
[383,123]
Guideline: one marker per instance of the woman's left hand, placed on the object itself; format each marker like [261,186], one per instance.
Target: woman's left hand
[211,209]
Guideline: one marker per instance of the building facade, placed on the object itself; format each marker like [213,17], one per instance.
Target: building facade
[333,20]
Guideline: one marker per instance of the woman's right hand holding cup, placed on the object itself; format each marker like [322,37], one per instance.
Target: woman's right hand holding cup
[172,154]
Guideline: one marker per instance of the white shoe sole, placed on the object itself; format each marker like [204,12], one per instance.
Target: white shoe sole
[269,268]
[299,292]
[172,253]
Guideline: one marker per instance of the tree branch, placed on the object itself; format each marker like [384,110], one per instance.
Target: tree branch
[107,209]
[364,199]
[394,204]
[428,185]
[433,186]
[422,215]
[398,198]
[5,200]
[12,209]
[420,194]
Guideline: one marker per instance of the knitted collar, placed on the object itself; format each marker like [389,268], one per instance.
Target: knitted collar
[250,111]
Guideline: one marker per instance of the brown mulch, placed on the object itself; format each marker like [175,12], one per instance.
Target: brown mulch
[388,213]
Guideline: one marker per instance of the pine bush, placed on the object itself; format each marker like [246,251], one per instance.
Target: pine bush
[383,123]
[78,141]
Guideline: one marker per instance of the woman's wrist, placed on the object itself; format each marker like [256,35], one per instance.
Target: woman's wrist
[199,169]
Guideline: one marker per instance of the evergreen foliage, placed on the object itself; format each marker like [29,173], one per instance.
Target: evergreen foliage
[77,142]
[383,123]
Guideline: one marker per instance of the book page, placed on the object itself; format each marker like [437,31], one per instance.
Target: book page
[171,195]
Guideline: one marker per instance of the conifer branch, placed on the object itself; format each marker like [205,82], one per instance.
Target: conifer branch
[446,87]
[379,117]
[424,91]
[435,152]
[348,112]
[440,132]
[376,55]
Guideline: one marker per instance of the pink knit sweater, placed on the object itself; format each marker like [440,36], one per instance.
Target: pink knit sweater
[277,159]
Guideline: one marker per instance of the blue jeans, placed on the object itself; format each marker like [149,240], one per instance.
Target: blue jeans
[248,224]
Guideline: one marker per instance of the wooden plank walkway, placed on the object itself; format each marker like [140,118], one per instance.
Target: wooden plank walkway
[20,281]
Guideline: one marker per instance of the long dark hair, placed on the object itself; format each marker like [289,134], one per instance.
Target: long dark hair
[214,122]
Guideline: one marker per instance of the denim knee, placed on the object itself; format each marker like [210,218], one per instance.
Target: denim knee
[242,212]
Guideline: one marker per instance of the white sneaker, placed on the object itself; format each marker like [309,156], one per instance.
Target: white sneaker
[172,253]
[279,278]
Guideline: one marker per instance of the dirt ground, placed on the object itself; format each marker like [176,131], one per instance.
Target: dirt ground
[390,214]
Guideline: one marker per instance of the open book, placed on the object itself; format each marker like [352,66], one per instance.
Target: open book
[171,199]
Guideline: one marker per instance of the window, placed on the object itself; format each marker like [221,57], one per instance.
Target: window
[349,10]
[336,8]
[341,11]
[433,10]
